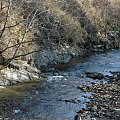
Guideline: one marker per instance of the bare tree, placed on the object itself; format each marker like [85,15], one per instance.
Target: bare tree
[28,23]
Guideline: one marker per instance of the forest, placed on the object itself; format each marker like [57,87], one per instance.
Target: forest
[59,59]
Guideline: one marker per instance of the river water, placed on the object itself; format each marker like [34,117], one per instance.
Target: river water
[57,97]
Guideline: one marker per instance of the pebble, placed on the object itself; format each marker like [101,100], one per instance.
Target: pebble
[93,119]
[17,111]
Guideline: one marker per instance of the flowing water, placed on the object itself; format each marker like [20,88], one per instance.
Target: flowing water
[57,97]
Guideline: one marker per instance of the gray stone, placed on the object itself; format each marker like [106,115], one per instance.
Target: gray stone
[94,75]
[23,73]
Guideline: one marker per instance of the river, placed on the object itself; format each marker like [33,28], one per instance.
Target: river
[57,97]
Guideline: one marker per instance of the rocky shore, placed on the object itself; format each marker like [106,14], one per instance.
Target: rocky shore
[105,100]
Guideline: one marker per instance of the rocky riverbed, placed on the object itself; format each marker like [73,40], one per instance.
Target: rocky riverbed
[105,100]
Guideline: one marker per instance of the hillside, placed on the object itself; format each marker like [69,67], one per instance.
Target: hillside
[53,31]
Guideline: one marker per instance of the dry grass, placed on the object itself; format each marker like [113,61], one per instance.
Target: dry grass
[70,24]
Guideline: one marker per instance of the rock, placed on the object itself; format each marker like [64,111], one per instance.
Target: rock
[18,71]
[17,64]
[93,107]
[94,75]
[70,101]
[116,75]
[16,76]
[59,55]
[83,88]
[77,117]
[4,81]
[93,119]
[117,109]
[82,111]
[20,65]
[16,111]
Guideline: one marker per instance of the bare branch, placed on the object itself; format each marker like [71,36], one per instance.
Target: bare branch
[5,23]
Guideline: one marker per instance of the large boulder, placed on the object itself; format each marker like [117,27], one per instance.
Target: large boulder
[18,71]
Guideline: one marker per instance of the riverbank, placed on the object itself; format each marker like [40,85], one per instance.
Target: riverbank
[105,100]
